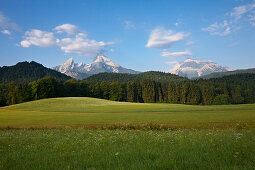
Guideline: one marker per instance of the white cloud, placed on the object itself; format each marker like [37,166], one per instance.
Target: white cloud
[7,32]
[239,11]
[182,54]
[76,44]
[230,23]
[129,25]
[220,29]
[162,38]
[39,38]
[6,24]
[82,46]
[252,20]
[67,28]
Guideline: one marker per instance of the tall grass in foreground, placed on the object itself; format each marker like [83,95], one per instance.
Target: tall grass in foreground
[129,149]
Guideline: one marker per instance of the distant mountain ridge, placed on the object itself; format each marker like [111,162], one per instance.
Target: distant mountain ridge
[124,77]
[27,72]
[228,73]
[192,68]
[99,65]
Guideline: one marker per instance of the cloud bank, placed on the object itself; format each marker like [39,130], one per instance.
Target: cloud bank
[78,43]
[83,46]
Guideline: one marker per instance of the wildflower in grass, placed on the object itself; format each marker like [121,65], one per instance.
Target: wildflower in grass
[117,153]
[236,154]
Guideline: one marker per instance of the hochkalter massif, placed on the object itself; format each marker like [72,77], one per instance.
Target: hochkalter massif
[192,68]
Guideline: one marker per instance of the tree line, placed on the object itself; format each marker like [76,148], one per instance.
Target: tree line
[125,77]
[235,89]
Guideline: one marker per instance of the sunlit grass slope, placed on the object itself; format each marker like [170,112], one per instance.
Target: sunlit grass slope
[88,112]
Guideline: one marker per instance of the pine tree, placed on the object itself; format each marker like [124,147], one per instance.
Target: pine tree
[207,93]
[236,93]
[148,91]
[84,88]
[173,93]
[194,96]
[115,91]
[72,88]
[3,95]
[130,92]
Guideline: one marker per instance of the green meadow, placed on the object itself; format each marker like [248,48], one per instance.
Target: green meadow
[127,149]
[86,112]
[88,133]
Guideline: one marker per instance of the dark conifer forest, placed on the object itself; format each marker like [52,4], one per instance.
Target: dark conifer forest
[233,89]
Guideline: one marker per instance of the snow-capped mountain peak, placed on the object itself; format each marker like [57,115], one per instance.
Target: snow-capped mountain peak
[192,68]
[103,59]
[80,64]
[69,61]
[69,64]
[99,65]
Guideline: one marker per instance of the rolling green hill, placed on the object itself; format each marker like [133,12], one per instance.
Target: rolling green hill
[90,112]
[122,77]
[27,72]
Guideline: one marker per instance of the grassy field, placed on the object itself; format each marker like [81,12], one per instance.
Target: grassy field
[66,133]
[135,149]
[89,112]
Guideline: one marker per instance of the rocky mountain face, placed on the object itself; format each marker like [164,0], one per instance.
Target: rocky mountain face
[99,65]
[192,68]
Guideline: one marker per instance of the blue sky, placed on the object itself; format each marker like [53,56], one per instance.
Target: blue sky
[139,34]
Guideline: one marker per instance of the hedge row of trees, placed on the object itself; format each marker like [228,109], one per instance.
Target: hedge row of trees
[230,90]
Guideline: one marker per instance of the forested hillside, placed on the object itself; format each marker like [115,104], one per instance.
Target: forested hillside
[228,73]
[27,72]
[122,77]
[234,89]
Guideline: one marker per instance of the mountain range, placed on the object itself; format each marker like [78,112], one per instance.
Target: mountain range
[192,68]
[99,65]
[24,72]
[103,69]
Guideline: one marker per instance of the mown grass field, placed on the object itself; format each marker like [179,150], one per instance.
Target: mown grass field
[66,133]
[89,112]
